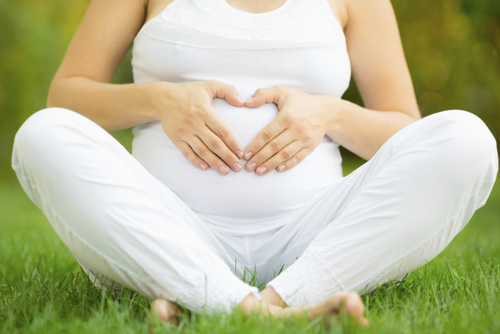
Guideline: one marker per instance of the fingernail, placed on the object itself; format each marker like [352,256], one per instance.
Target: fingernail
[237,167]
[261,170]
[224,170]
[203,166]
[281,168]
[239,154]
[240,100]
[250,100]
[251,166]
[248,155]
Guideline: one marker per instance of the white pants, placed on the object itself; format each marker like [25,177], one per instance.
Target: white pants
[392,215]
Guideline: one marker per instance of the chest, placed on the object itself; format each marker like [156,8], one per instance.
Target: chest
[155,7]
[301,46]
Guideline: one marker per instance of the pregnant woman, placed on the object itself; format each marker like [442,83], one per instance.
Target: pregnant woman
[235,167]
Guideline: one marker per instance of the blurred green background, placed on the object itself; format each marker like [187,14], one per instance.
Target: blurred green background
[452,48]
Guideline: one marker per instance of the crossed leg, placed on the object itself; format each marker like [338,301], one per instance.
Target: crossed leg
[389,217]
[118,220]
[395,213]
[123,224]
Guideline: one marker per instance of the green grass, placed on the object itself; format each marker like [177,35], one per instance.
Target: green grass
[42,289]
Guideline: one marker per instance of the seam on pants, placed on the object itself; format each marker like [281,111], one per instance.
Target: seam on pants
[334,277]
[427,240]
[19,170]
[392,263]
[326,269]
[386,146]
[459,212]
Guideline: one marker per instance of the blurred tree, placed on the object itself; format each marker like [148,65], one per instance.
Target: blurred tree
[452,48]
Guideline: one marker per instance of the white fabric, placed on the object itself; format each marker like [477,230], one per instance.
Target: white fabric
[160,226]
[197,40]
[214,24]
[118,220]
[392,215]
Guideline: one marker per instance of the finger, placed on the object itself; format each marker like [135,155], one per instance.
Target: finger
[217,146]
[280,158]
[218,127]
[295,160]
[207,155]
[266,95]
[227,92]
[271,131]
[191,156]
[270,149]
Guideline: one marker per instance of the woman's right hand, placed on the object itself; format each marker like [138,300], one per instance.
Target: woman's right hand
[188,119]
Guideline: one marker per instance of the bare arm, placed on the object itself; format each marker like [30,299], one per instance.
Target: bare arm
[100,43]
[382,76]
[383,79]
[82,84]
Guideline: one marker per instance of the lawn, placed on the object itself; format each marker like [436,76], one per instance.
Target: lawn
[42,289]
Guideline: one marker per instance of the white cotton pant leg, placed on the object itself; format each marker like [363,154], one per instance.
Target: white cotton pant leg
[396,212]
[118,220]
[392,215]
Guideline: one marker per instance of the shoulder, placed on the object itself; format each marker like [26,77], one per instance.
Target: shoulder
[339,9]
[350,10]
[154,7]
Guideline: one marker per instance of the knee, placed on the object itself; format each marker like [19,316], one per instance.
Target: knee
[42,131]
[45,126]
[466,144]
[470,136]
[45,121]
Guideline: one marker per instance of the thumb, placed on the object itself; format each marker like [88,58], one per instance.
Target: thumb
[226,92]
[264,95]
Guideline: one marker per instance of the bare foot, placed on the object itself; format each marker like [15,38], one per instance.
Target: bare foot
[269,295]
[350,302]
[164,311]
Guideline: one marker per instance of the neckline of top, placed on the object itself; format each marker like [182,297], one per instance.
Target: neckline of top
[290,11]
[271,12]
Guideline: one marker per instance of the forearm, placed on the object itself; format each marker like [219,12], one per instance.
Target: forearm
[363,131]
[112,106]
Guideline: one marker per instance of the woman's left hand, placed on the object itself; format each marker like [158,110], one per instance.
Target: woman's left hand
[298,129]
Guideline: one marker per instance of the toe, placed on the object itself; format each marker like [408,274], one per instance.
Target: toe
[160,309]
[353,304]
[354,307]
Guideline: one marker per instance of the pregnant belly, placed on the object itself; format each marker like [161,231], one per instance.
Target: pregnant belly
[243,194]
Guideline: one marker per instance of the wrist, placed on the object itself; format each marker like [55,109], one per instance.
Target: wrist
[156,93]
[335,110]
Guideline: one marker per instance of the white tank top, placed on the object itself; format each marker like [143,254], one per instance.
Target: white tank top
[300,45]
